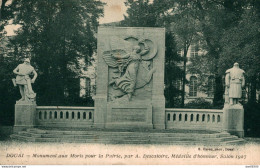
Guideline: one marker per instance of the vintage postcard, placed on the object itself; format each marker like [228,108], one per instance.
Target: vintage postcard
[126,82]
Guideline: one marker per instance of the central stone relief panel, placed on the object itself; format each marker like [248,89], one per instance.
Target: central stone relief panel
[131,69]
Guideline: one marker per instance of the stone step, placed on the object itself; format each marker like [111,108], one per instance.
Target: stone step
[104,141]
[116,136]
[124,137]
[137,139]
[124,130]
[189,143]
[238,141]
[230,138]
[22,138]
[28,134]
[223,134]
[111,141]
[41,130]
[161,140]
[125,133]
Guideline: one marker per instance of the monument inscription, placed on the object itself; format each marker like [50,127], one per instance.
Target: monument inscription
[123,114]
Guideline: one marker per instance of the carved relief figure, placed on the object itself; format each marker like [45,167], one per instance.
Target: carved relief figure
[24,81]
[127,60]
[235,81]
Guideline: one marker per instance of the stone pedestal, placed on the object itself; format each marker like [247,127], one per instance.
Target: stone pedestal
[234,119]
[24,115]
[159,112]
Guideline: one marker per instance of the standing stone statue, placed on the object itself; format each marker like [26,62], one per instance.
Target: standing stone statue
[24,81]
[235,81]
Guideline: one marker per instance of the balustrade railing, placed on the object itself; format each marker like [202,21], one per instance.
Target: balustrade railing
[197,119]
[60,116]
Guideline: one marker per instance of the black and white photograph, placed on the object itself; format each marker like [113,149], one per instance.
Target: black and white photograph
[129,82]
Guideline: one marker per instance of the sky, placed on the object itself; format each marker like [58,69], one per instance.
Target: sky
[114,11]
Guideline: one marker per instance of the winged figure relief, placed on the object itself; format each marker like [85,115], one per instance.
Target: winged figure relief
[131,57]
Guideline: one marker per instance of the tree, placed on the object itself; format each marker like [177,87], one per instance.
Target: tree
[7,63]
[5,14]
[173,74]
[184,26]
[214,18]
[56,34]
[146,13]
[241,44]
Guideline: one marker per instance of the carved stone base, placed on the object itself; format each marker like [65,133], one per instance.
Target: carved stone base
[100,111]
[234,119]
[24,115]
[159,112]
[130,115]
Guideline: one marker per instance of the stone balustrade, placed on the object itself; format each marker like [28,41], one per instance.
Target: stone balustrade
[61,116]
[196,119]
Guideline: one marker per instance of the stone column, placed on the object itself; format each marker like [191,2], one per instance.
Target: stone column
[158,98]
[234,119]
[25,113]
[101,83]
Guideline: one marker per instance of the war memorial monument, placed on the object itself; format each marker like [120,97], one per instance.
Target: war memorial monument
[130,98]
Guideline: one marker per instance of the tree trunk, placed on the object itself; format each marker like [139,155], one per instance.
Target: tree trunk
[184,77]
[2,11]
[218,94]
[171,95]
[252,97]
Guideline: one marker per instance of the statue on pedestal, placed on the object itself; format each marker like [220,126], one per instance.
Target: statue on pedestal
[234,82]
[24,81]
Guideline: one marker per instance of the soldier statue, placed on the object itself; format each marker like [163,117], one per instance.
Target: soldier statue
[234,82]
[24,81]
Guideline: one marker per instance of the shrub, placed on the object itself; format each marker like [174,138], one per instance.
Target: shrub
[199,103]
[252,119]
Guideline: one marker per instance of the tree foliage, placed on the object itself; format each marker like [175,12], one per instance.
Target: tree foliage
[173,73]
[230,34]
[146,13]
[56,34]
[5,14]
[241,44]
[214,18]
[184,25]
[7,92]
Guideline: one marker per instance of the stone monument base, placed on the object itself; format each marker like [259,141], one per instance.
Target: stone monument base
[234,119]
[129,115]
[24,115]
